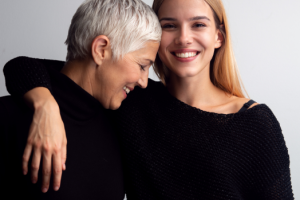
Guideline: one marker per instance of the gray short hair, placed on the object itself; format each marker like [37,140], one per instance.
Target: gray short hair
[127,23]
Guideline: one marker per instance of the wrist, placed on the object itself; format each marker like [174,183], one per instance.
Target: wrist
[40,97]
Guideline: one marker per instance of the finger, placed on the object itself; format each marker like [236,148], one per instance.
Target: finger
[26,156]
[57,170]
[35,164]
[64,154]
[28,149]
[64,167]
[46,171]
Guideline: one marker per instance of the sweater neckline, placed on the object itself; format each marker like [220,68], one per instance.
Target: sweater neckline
[74,101]
[212,114]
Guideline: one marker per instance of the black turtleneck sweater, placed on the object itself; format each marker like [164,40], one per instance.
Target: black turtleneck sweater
[94,168]
[174,151]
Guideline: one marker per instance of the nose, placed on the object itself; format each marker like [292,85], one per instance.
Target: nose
[143,81]
[184,37]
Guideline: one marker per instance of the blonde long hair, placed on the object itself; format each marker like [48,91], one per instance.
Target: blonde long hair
[223,68]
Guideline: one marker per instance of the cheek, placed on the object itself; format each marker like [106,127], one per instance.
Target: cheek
[132,75]
[133,78]
[166,41]
[208,41]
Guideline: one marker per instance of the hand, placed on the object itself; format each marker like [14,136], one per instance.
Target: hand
[47,138]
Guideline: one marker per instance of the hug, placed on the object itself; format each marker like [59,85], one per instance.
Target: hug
[192,135]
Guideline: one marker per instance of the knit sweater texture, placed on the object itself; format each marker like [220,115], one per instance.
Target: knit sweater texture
[171,150]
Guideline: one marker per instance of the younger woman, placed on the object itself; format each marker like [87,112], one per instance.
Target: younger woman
[193,135]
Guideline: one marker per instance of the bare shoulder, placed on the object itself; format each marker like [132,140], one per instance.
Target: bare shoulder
[238,103]
[233,105]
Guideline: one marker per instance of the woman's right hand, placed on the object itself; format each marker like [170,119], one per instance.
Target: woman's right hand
[46,139]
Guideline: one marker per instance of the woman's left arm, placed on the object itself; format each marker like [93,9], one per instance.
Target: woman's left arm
[273,163]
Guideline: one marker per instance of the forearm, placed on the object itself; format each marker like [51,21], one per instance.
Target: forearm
[40,97]
[22,74]
[29,78]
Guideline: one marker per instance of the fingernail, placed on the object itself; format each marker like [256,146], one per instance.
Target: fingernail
[44,190]
[24,172]
[56,188]
[33,181]
[65,167]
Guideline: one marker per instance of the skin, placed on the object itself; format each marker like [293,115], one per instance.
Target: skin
[100,76]
[190,26]
[189,80]
[45,125]
[104,78]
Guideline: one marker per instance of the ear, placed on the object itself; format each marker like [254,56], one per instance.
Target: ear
[219,38]
[101,49]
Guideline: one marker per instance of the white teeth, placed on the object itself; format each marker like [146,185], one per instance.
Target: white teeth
[186,55]
[126,89]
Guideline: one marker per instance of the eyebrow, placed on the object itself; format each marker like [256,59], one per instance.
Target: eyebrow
[150,61]
[199,17]
[190,19]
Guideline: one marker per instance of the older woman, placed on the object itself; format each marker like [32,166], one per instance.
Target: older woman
[105,61]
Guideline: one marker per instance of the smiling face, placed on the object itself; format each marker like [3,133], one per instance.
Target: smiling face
[189,36]
[115,79]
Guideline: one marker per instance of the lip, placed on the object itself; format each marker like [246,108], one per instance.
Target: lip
[185,51]
[125,95]
[129,88]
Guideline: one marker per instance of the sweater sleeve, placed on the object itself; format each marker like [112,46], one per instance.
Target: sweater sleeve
[3,123]
[273,167]
[23,74]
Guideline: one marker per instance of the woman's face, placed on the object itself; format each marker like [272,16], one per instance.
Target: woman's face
[115,79]
[189,36]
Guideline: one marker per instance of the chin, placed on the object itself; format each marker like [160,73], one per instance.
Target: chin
[185,73]
[115,106]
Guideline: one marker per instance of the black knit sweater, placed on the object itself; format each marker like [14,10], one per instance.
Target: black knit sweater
[174,151]
[94,169]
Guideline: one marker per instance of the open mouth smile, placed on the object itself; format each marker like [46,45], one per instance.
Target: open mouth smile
[126,89]
[185,55]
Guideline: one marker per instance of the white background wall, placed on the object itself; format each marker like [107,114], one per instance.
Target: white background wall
[265,36]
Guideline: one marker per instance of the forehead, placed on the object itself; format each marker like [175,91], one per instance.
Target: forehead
[184,9]
[148,52]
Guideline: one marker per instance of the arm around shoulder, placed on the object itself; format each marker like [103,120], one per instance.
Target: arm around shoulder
[29,77]
[23,74]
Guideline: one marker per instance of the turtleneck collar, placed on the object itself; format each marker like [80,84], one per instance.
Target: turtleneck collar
[72,99]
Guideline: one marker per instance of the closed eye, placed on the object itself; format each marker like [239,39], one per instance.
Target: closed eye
[168,26]
[143,67]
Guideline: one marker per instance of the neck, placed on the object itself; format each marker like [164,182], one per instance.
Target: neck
[197,91]
[80,72]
